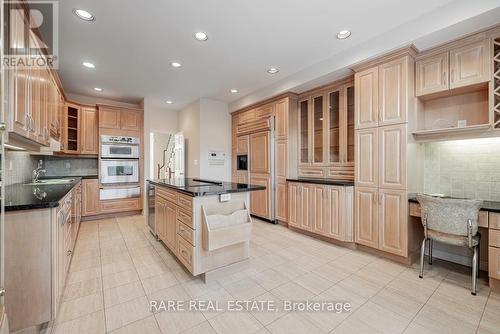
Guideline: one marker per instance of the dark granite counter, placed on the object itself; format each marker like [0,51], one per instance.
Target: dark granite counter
[28,197]
[83,177]
[198,187]
[491,206]
[324,181]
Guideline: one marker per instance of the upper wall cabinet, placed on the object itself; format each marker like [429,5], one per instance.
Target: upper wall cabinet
[326,132]
[120,118]
[381,94]
[90,142]
[459,66]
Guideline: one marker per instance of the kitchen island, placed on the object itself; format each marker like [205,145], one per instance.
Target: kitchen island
[205,224]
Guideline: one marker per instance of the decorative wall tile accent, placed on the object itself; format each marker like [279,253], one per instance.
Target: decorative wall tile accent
[63,166]
[464,168]
[18,167]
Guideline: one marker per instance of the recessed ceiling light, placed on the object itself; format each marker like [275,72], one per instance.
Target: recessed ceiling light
[84,15]
[97,89]
[169,102]
[88,65]
[343,34]
[201,36]
[175,64]
[273,70]
[234,91]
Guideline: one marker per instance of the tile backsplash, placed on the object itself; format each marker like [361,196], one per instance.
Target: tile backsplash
[68,166]
[18,167]
[464,168]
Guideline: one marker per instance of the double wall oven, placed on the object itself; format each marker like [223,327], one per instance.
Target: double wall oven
[119,167]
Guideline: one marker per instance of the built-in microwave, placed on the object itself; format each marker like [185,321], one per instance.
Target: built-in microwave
[242,162]
[119,147]
[119,171]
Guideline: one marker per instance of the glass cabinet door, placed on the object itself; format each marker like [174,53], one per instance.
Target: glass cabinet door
[334,126]
[304,131]
[318,129]
[350,124]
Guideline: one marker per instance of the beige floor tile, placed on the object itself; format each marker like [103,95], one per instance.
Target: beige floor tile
[379,318]
[398,303]
[151,270]
[414,328]
[235,322]
[123,314]
[120,278]
[314,282]
[309,262]
[438,320]
[263,331]
[90,323]
[197,287]
[177,322]
[219,301]
[115,257]
[203,328]
[176,293]
[83,288]
[360,286]
[354,326]
[144,326]
[84,263]
[264,316]
[462,311]
[84,275]
[375,275]
[270,279]
[293,323]
[416,289]
[331,273]
[290,270]
[123,293]
[292,291]
[245,289]
[79,307]
[116,267]
[159,282]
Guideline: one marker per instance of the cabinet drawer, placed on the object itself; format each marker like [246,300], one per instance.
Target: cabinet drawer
[312,171]
[341,173]
[494,238]
[255,126]
[185,217]
[186,202]
[186,232]
[494,222]
[127,204]
[185,253]
[167,194]
[494,262]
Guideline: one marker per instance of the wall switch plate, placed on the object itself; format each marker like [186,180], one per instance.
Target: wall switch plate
[224,197]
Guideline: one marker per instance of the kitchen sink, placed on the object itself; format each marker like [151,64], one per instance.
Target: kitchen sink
[50,182]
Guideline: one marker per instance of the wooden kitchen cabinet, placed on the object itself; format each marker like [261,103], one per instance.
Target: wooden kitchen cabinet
[293,204]
[71,138]
[392,156]
[432,74]
[242,143]
[90,197]
[260,200]
[120,118]
[161,217]
[90,137]
[281,202]
[392,222]
[367,157]
[109,118]
[366,94]
[281,126]
[392,90]
[170,225]
[366,216]
[130,120]
[260,144]
[470,64]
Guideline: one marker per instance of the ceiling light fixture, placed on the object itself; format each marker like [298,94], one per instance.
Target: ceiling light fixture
[234,91]
[84,15]
[97,89]
[175,64]
[201,36]
[169,102]
[273,70]
[88,65]
[343,34]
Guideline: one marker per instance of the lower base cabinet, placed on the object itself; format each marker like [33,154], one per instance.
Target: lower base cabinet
[326,210]
[381,219]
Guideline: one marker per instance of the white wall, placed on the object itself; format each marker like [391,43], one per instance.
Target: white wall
[215,134]
[189,125]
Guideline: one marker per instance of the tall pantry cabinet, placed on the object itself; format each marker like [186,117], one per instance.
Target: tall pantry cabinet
[384,152]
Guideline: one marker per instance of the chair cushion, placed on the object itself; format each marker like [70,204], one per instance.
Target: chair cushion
[453,239]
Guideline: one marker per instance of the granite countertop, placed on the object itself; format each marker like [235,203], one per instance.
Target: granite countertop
[491,206]
[27,197]
[83,177]
[198,187]
[323,181]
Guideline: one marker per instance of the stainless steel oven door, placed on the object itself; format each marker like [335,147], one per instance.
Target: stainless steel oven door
[119,171]
[120,151]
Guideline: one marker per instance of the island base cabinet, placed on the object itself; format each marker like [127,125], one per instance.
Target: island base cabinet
[322,209]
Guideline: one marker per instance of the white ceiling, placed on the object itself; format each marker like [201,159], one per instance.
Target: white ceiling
[132,42]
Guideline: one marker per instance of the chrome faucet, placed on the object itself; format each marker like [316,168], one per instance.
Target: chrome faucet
[37,171]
